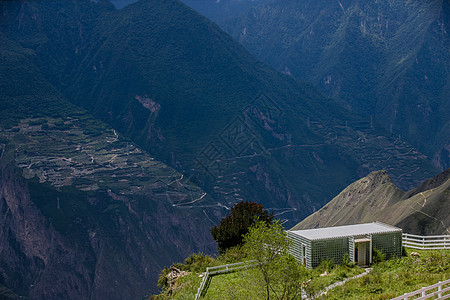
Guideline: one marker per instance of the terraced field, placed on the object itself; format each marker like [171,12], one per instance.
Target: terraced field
[62,152]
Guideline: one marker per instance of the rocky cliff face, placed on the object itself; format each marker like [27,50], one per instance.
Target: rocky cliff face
[36,260]
[423,210]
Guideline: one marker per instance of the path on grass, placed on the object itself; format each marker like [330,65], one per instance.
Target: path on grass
[339,283]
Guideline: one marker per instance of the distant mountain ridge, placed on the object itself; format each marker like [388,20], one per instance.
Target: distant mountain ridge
[423,210]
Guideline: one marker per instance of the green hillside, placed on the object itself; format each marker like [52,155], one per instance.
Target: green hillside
[388,60]
[388,279]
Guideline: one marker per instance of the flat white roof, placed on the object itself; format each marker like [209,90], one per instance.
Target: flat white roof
[345,231]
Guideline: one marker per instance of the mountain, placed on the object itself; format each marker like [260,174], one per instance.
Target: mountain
[220,11]
[119,4]
[423,210]
[236,127]
[126,134]
[388,60]
[85,213]
[217,11]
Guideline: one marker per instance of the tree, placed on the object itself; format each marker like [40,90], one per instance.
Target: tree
[277,274]
[233,227]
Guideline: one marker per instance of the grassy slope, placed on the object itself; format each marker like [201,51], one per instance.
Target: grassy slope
[387,280]
[238,285]
[395,277]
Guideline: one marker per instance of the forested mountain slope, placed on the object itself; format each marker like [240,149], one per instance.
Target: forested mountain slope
[386,59]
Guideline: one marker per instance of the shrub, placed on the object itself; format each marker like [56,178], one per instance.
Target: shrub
[341,274]
[197,262]
[232,255]
[325,265]
[163,282]
[378,256]
[347,262]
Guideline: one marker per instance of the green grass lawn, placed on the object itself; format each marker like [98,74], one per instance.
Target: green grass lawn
[239,285]
[395,277]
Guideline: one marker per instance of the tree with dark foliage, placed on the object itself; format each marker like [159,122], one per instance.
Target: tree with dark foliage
[243,215]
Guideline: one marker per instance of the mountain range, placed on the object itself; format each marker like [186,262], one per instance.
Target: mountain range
[126,134]
[422,210]
[387,60]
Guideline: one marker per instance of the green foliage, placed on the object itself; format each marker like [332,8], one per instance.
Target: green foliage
[378,256]
[163,282]
[197,262]
[325,265]
[387,280]
[231,230]
[232,255]
[278,274]
[247,283]
[346,261]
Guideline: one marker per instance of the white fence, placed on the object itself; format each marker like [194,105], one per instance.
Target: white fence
[426,242]
[439,290]
[210,271]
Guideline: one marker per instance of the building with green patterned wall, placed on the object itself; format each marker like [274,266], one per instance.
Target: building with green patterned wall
[311,246]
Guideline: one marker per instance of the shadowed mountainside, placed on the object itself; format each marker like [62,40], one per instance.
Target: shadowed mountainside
[386,59]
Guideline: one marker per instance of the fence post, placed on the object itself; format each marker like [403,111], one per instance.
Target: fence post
[423,292]
[406,298]
[439,290]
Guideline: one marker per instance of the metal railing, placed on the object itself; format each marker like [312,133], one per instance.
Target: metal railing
[426,242]
[440,290]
